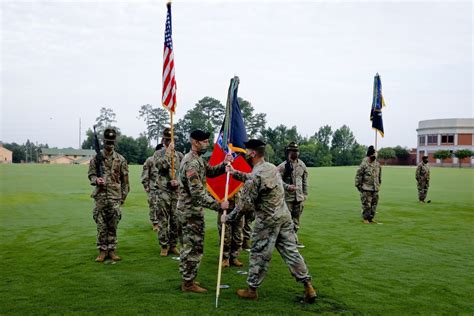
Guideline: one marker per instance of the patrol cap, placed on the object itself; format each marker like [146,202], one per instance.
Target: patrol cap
[167,133]
[370,150]
[199,135]
[110,135]
[254,144]
[293,146]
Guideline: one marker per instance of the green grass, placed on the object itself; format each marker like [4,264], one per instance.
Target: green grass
[419,261]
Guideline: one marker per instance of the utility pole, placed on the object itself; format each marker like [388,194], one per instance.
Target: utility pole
[79,133]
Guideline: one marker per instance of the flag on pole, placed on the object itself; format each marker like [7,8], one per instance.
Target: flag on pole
[230,140]
[377,104]
[169,81]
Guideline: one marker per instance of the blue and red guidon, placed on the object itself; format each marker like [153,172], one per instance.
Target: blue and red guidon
[377,104]
[230,140]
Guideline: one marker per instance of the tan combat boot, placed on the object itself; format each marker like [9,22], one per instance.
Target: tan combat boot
[101,256]
[113,256]
[225,263]
[366,221]
[164,251]
[191,286]
[174,251]
[237,263]
[249,293]
[309,293]
[155,227]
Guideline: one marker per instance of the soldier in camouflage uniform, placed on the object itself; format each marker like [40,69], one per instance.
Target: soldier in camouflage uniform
[193,198]
[263,192]
[247,230]
[167,194]
[149,184]
[232,238]
[295,181]
[423,179]
[111,190]
[368,180]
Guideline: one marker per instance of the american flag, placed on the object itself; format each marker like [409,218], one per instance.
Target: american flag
[169,81]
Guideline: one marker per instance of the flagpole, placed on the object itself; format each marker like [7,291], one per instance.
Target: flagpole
[221,249]
[172,141]
[375,140]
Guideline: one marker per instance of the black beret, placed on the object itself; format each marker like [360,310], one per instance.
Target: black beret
[254,144]
[370,151]
[167,133]
[110,134]
[200,135]
[292,147]
[424,157]
[159,146]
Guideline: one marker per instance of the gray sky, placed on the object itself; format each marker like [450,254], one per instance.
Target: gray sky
[303,63]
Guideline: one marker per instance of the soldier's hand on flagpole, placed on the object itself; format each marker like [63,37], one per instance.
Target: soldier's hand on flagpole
[223,218]
[224,205]
[229,169]
[170,147]
[229,158]
[174,183]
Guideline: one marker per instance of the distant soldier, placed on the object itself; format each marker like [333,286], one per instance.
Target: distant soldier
[295,181]
[232,238]
[149,184]
[423,179]
[110,193]
[167,194]
[193,198]
[368,180]
[263,192]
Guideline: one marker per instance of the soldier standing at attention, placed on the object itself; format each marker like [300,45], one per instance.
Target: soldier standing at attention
[263,192]
[295,181]
[193,198]
[167,194]
[111,190]
[149,184]
[423,179]
[368,180]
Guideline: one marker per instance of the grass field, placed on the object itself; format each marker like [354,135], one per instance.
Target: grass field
[419,261]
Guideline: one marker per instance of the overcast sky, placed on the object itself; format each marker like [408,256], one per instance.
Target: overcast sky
[302,63]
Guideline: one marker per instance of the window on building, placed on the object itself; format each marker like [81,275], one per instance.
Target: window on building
[432,139]
[421,140]
[447,139]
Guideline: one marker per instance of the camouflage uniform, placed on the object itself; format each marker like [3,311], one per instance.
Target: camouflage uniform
[248,218]
[233,232]
[149,184]
[192,199]
[109,197]
[295,200]
[367,181]
[423,180]
[263,192]
[167,197]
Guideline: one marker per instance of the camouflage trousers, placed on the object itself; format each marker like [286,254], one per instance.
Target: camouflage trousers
[232,237]
[422,190]
[107,215]
[369,200]
[248,218]
[168,227]
[192,247]
[153,206]
[296,209]
[280,235]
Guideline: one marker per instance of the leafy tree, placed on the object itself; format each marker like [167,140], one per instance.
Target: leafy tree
[342,143]
[156,119]
[463,153]
[308,153]
[269,153]
[358,152]
[323,157]
[386,153]
[105,119]
[279,138]
[323,135]
[442,155]
[254,122]
[401,153]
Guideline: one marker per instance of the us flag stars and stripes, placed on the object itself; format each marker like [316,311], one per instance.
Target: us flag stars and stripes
[169,80]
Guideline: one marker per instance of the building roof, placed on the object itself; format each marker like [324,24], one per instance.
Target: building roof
[67,152]
[446,123]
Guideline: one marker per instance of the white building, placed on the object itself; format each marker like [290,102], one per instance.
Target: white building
[445,134]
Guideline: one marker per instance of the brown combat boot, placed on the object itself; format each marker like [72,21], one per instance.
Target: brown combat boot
[236,262]
[225,263]
[174,251]
[309,293]
[249,293]
[164,251]
[191,286]
[366,221]
[113,256]
[101,256]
